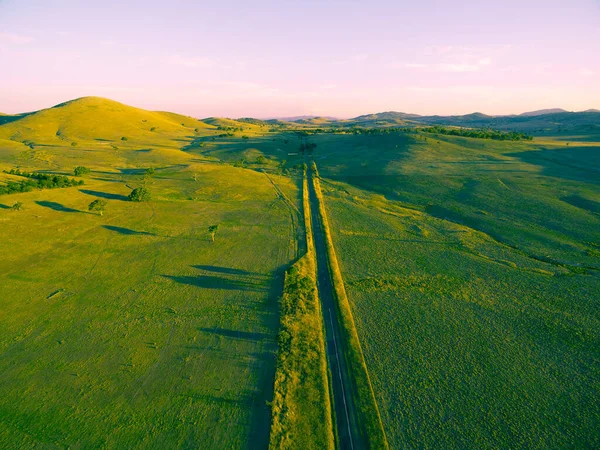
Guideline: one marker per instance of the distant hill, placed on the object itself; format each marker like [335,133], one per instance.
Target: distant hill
[304,118]
[317,120]
[246,123]
[592,110]
[6,118]
[388,115]
[542,112]
[95,119]
[102,122]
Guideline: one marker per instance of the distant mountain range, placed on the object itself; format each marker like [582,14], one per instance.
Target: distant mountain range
[98,118]
[297,118]
[541,112]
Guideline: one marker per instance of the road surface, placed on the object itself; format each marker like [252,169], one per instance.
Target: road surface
[348,435]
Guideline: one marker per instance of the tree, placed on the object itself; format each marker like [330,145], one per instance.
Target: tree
[213,230]
[17,206]
[81,171]
[140,194]
[124,138]
[97,205]
[261,159]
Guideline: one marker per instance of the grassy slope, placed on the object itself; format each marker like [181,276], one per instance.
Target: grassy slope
[101,122]
[477,318]
[132,329]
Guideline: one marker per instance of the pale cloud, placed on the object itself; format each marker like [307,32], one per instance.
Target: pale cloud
[449,58]
[352,59]
[188,61]
[247,89]
[587,72]
[14,38]
[446,67]
[461,67]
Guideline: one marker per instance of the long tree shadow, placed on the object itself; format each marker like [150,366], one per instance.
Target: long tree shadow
[243,401]
[582,203]
[133,171]
[265,308]
[215,282]
[127,231]
[227,270]
[57,207]
[105,195]
[572,163]
[4,206]
[236,334]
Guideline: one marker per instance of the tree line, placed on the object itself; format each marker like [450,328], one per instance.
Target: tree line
[36,181]
[479,133]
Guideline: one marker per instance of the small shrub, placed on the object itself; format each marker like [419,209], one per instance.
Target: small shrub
[81,171]
[97,205]
[140,194]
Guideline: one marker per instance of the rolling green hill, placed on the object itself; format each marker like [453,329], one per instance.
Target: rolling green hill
[244,124]
[97,120]
[132,329]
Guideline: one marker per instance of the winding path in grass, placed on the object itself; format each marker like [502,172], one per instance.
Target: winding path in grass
[343,402]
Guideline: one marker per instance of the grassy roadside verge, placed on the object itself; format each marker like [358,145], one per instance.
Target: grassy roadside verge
[301,405]
[369,417]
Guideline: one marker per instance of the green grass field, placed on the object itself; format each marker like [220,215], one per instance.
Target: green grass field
[133,329]
[471,267]
[473,272]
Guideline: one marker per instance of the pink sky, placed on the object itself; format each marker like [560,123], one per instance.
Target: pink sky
[281,58]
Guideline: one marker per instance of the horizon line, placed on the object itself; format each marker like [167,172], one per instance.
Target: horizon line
[301,116]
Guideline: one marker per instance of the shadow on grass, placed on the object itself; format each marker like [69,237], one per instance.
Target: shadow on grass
[127,231]
[215,282]
[226,270]
[582,203]
[105,195]
[570,163]
[243,401]
[12,117]
[4,206]
[234,334]
[58,207]
[133,171]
